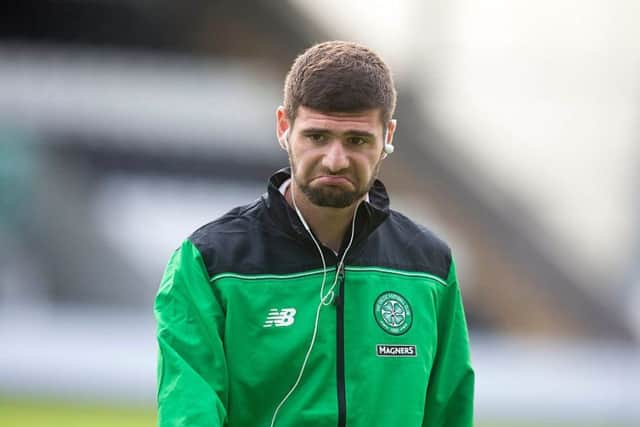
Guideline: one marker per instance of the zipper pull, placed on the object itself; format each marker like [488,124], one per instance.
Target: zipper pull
[338,299]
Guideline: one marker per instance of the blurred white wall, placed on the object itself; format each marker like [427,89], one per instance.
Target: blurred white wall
[542,97]
[154,100]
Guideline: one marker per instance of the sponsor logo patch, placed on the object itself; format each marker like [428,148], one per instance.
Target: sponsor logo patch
[278,318]
[388,350]
[393,313]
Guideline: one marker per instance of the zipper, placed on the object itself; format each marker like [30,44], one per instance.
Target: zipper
[342,401]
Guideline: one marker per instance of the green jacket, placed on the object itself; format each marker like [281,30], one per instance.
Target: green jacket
[236,310]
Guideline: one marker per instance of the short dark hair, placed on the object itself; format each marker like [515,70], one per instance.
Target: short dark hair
[339,76]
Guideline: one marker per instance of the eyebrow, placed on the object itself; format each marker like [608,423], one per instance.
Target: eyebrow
[350,132]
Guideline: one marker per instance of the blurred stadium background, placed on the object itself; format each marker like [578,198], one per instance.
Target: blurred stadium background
[126,124]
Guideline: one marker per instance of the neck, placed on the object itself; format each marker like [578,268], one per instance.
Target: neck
[328,224]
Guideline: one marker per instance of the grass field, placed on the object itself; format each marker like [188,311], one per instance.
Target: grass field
[64,414]
[23,413]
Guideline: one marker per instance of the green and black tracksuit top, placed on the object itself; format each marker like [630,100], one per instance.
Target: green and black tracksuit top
[236,309]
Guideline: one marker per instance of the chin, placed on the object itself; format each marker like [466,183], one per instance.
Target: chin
[332,198]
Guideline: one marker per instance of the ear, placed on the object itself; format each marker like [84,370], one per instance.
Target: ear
[388,136]
[390,131]
[282,126]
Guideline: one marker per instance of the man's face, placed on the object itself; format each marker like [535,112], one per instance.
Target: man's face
[335,157]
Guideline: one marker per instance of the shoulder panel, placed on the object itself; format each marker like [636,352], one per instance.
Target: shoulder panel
[400,243]
[246,240]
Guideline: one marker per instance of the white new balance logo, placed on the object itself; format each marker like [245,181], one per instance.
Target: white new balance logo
[279,318]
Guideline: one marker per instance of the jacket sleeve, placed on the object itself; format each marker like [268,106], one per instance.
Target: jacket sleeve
[449,400]
[192,371]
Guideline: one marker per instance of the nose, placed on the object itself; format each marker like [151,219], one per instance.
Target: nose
[335,158]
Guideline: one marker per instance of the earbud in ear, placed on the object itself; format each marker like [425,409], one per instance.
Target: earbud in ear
[388,148]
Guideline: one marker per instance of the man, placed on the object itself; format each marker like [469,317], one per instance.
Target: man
[317,305]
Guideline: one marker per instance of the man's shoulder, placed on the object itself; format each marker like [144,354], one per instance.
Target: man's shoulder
[411,246]
[236,223]
[416,233]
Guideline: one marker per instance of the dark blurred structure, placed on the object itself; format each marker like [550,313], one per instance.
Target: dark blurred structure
[254,29]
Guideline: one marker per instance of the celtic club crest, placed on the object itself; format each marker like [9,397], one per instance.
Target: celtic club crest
[393,313]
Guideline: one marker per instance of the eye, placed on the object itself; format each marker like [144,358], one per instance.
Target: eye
[357,140]
[316,137]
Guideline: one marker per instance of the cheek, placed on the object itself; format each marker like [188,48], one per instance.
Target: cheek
[301,163]
[306,158]
[368,163]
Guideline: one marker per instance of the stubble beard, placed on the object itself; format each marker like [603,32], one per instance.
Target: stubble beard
[332,197]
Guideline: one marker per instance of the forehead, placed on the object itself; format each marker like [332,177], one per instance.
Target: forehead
[368,120]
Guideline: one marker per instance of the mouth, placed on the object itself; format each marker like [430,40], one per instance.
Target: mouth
[335,180]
